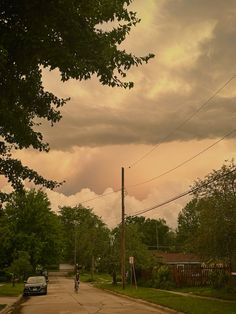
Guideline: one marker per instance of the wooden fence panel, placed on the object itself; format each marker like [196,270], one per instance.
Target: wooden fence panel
[195,275]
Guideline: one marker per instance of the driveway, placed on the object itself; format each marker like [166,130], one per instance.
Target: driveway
[61,299]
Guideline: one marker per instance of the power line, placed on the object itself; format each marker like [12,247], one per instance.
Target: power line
[99,196]
[180,195]
[184,162]
[166,137]
[161,204]
[182,123]
[164,173]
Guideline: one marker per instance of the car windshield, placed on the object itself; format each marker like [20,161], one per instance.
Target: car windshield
[39,279]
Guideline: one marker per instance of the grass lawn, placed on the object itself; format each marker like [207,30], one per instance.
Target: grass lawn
[7,290]
[185,304]
[98,278]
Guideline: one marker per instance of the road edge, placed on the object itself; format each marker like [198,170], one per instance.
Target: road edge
[154,305]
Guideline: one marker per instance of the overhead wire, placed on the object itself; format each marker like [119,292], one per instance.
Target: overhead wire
[171,199]
[182,123]
[164,173]
[184,162]
[180,195]
[166,137]
[99,196]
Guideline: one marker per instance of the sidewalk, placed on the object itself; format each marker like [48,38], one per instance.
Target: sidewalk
[189,294]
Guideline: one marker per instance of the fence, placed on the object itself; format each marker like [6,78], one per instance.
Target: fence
[196,275]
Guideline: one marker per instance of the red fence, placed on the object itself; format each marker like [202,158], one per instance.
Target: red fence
[196,275]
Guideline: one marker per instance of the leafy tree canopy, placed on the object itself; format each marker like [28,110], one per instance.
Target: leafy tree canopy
[85,235]
[207,225]
[21,266]
[134,246]
[156,233]
[29,225]
[69,35]
[188,224]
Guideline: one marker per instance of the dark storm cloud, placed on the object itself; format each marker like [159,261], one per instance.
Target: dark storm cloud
[113,127]
[216,60]
[140,119]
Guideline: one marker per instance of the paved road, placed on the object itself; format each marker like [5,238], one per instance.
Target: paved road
[61,299]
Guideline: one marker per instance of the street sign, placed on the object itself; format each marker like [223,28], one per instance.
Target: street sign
[131,260]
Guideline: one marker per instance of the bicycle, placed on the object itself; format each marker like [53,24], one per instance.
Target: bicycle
[76,286]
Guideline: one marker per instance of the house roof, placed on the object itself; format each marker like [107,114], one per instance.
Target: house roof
[178,258]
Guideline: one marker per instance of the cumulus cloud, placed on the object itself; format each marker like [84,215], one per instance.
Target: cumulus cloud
[108,205]
[99,168]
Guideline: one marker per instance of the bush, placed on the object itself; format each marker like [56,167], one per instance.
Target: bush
[89,280]
[161,278]
[219,279]
[5,276]
[118,279]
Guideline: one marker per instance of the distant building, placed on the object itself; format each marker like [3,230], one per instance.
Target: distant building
[190,269]
[66,267]
[178,259]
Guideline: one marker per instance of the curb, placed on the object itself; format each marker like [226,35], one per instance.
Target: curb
[9,307]
[157,306]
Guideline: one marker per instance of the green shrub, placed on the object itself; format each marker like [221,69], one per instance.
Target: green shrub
[167,285]
[219,279]
[5,276]
[90,280]
[161,278]
[118,279]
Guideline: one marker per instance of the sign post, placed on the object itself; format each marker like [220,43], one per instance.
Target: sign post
[132,270]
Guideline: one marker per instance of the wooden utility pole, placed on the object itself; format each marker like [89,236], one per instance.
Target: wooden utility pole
[75,244]
[123,227]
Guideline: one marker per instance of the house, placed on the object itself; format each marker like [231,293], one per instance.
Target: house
[190,269]
[64,270]
[66,267]
[179,260]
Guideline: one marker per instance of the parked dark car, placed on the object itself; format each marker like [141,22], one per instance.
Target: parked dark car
[35,285]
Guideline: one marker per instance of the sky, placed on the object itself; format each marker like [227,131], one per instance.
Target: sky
[182,102]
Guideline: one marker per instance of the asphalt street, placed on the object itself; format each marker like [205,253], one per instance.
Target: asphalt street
[61,299]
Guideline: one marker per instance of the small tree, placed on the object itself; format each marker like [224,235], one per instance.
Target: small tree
[20,267]
[86,237]
[32,227]
[134,247]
